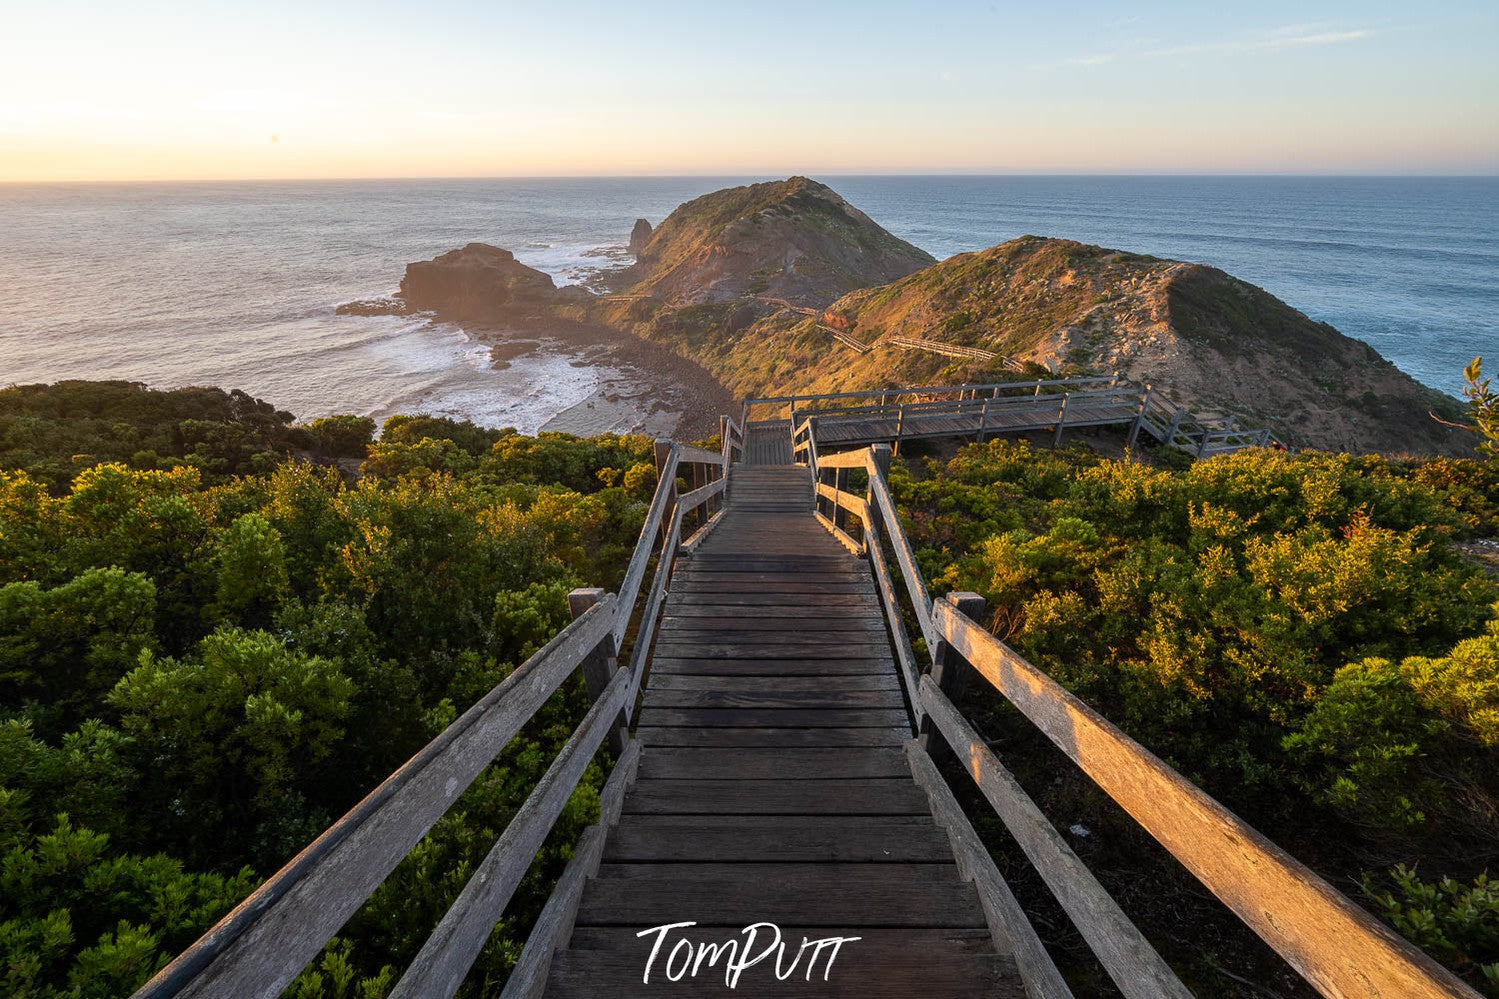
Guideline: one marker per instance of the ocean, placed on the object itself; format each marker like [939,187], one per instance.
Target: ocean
[235,284]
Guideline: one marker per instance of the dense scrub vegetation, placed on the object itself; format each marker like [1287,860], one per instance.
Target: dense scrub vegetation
[215,638]
[1301,635]
[205,658]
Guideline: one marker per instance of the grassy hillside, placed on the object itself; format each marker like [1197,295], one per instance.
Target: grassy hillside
[1207,340]
[794,239]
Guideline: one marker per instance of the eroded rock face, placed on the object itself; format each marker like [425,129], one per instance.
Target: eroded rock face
[476,282]
[640,236]
[1208,340]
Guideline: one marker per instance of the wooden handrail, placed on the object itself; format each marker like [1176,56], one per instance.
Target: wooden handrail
[1339,948]
[444,960]
[268,939]
[1121,948]
[1335,945]
[923,390]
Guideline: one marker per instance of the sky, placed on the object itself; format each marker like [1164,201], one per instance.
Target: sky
[204,90]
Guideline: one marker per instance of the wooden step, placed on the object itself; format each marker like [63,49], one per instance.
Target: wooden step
[871,839]
[772,737]
[886,973]
[832,895]
[853,796]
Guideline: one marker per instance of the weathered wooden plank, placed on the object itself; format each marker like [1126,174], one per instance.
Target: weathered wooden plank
[775,717]
[859,610]
[834,895]
[855,974]
[770,600]
[854,796]
[800,699]
[775,684]
[770,667]
[693,455]
[758,738]
[844,499]
[670,648]
[271,936]
[811,642]
[844,459]
[782,588]
[783,764]
[689,501]
[910,940]
[756,839]
[1121,948]
[826,627]
[1011,929]
[1334,944]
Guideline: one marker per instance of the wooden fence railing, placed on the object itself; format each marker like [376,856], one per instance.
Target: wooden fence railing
[266,941]
[1339,948]
[1055,404]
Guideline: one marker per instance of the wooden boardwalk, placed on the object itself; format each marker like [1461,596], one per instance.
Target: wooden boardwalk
[773,784]
[773,780]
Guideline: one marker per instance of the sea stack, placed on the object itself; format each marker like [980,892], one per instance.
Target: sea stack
[476,282]
[639,237]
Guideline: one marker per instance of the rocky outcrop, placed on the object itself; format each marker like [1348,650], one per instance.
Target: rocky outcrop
[477,283]
[1210,341]
[373,307]
[640,237]
[793,241]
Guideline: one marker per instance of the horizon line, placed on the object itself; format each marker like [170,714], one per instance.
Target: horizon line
[1138,174]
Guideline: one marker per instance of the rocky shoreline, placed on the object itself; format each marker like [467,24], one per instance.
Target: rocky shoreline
[647,389]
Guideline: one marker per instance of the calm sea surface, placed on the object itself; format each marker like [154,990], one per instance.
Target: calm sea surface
[234,284]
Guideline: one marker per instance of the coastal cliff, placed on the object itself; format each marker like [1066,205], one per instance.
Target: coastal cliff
[1208,339]
[794,240]
[752,282]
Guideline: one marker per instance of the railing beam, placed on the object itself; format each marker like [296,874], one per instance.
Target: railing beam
[948,671]
[598,667]
[1336,946]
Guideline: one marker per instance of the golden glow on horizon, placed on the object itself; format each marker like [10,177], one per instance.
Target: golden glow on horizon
[205,93]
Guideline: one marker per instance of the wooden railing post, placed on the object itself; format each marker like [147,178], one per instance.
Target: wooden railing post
[840,482]
[1176,422]
[1061,420]
[663,451]
[948,671]
[599,665]
[1134,430]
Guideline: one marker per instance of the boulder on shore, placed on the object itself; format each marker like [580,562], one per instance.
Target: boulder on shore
[476,282]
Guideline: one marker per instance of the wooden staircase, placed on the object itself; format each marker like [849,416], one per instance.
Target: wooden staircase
[773,778]
[773,786]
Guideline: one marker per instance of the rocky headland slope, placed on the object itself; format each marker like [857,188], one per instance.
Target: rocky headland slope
[793,240]
[751,283]
[1207,339]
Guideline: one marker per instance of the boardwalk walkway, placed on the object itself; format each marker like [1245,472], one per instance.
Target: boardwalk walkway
[772,777]
[773,785]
